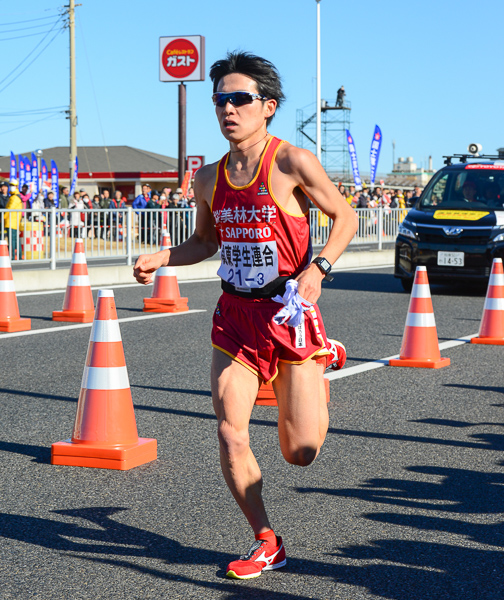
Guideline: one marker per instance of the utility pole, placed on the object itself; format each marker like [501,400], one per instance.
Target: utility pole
[319,120]
[72,113]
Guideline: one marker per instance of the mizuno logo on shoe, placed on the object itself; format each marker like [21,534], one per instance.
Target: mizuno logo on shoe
[267,559]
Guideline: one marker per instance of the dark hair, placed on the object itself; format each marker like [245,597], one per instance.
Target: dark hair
[262,71]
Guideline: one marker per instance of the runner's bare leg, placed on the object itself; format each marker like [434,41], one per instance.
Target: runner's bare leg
[303,418]
[234,391]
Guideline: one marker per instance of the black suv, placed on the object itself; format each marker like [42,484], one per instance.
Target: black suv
[456,227]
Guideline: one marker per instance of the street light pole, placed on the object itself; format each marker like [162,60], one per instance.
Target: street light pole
[319,99]
[72,113]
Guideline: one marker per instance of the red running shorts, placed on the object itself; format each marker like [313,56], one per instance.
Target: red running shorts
[243,328]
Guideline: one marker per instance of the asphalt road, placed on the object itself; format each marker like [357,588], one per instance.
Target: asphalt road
[404,502]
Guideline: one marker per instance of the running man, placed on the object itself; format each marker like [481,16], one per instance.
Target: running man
[254,204]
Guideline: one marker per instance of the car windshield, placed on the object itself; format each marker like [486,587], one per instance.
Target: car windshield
[476,187]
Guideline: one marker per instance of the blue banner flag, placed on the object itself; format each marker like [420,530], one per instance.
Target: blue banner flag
[28,179]
[55,182]
[353,160]
[22,175]
[74,178]
[43,169]
[35,177]
[374,155]
[13,166]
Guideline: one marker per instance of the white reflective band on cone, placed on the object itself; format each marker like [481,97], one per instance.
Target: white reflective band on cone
[496,279]
[166,272]
[421,290]
[494,304]
[7,285]
[105,331]
[78,280]
[420,320]
[5,262]
[105,293]
[78,258]
[105,378]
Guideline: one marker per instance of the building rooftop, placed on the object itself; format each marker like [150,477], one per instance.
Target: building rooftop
[100,159]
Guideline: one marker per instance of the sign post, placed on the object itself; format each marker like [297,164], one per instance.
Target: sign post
[182,58]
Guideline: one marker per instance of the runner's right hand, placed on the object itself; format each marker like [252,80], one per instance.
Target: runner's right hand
[146,264]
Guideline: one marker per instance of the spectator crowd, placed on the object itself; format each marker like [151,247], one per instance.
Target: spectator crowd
[152,210]
[380,197]
[84,218]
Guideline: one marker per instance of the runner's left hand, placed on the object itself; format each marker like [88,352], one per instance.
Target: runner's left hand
[310,283]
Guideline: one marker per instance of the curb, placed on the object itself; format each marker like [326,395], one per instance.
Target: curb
[41,279]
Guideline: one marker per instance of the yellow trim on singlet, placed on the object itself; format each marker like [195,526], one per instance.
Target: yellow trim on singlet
[270,187]
[259,166]
[215,186]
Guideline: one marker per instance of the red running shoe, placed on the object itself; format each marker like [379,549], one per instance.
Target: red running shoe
[337,358]
[262,556]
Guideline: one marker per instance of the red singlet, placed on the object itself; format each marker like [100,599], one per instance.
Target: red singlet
[259,240]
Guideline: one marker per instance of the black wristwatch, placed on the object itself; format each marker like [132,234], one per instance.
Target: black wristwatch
[324,265]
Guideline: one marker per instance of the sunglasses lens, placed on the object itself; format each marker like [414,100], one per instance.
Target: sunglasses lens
[235,98]
[242,98]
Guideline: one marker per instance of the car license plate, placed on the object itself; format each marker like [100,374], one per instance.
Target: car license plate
[450,259]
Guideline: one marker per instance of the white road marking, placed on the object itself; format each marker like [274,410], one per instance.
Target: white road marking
[4,336]
[383,362]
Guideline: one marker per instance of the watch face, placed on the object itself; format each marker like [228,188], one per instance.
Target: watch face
[323,263]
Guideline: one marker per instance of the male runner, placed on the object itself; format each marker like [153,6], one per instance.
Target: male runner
[254,204]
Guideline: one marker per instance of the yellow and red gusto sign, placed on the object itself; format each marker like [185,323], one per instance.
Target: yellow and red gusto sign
[460,215]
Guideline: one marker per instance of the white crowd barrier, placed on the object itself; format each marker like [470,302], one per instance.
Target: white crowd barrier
[48,235]
[377,226]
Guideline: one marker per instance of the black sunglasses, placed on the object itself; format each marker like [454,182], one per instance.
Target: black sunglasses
[220,99]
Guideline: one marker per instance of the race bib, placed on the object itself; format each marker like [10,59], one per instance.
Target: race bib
[249,257]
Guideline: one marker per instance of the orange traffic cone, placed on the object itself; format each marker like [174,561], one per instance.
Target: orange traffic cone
[491,329]
[9,309]
[420,346]
[165,294]
[78,304]
[266,395]
[105,433]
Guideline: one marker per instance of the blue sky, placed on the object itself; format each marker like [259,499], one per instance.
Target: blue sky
[429,73]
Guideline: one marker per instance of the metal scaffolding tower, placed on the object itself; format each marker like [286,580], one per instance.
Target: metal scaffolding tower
[335,156]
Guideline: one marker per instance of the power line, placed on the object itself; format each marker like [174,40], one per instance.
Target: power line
[31,123]
[18,37]
[32,111]
[28,56]
[26,118]
[94,93]
[25,28]
[28,21]
[28,121]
